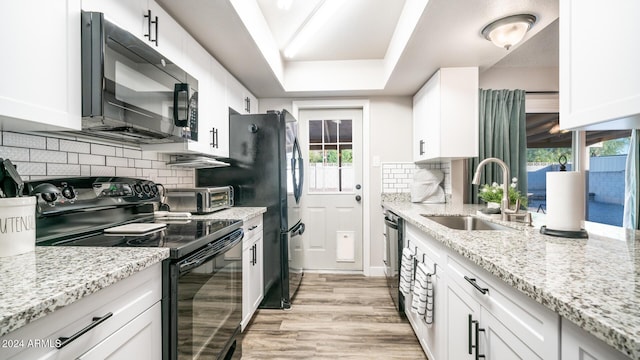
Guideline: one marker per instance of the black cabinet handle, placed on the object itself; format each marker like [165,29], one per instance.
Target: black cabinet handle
[476,331]
[421,147]
[149,22]
[64,341]
[214,138]
[253,227]
[247,105]
[255,254]
[473,282]
[156,39]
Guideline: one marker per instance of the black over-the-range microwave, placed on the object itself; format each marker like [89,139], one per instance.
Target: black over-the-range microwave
[130,92]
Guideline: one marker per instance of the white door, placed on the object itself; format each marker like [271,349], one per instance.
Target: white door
[332,204]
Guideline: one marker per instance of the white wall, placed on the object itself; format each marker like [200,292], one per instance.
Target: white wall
[525,78]
[390,134]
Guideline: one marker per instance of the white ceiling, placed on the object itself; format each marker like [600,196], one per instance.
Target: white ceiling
[370,47]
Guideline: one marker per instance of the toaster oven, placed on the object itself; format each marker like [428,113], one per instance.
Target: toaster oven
[200,200]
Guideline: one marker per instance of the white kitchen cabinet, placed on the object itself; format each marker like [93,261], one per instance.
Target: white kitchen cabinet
[239,98]
[510,325]
[578,344]
[40,87]
[599,69]
[131,313]
[159,31]
[445,116]
[252,269]
[432,337]
[512,322]
[138,339]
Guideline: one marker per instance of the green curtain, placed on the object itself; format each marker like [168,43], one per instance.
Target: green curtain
[503,135]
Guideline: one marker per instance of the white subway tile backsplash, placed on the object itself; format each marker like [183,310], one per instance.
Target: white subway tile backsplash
[125,172]
[87,159]
[47,156]
[59,170]
[398,177]
[75,146]
[145,164]
[72,158]
[42,157]
[29,169]
[150,155]
[103,170]
[132,154]
[24,140]
[117,161]
[14,153]
[97,149]
[53,144]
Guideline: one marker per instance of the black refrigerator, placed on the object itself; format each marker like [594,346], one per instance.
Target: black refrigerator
[267,170]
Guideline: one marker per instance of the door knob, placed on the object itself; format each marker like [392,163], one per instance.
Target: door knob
[358,187]
[358,198]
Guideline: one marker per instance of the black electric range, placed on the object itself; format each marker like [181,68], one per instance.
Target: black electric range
[201,279]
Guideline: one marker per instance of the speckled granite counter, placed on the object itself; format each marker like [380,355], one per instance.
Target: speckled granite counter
[35,284]
[593,282]
[240,213]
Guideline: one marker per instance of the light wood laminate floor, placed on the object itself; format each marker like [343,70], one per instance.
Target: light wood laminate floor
[333,317]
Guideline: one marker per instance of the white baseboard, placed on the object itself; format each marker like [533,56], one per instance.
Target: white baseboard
[374,271]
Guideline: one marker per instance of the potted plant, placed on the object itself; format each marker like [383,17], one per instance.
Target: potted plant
[492,194]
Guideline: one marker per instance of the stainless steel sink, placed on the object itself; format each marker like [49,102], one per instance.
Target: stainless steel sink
[466,223]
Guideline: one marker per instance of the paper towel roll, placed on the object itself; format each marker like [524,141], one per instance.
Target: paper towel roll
[565,200]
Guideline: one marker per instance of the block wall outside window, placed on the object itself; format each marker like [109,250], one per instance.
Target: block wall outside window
[46,156]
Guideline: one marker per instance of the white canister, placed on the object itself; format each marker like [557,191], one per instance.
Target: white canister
[17,225]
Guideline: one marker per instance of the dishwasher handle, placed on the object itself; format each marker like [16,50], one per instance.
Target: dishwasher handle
[390,223]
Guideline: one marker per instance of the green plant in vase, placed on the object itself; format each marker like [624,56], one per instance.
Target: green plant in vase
[493,193]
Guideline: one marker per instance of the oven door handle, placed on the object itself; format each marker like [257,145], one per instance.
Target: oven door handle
[210,252]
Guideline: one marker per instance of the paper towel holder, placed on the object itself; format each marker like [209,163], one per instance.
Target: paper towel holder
[581,234]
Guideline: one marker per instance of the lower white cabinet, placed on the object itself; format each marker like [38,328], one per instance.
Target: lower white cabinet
[121,321]
[477,314]
[578,344]
[252,269]
[432,337]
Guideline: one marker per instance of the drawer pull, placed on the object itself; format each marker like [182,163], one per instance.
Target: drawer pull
[64,341]
[473,282]
[253,227]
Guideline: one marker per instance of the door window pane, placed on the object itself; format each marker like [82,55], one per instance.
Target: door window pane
[330,156]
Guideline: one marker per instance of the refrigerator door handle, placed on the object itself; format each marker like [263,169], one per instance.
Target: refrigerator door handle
[299,177]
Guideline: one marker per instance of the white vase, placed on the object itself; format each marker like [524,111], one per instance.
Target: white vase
[493,205]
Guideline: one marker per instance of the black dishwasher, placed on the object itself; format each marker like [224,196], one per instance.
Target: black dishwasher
[393,247]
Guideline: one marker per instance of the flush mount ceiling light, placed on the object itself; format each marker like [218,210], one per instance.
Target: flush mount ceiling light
[508,31]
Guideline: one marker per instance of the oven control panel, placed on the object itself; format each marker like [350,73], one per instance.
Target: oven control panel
[59,195]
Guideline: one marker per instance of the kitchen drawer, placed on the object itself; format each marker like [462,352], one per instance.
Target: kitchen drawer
[252,228]
[530,321]
[124,300]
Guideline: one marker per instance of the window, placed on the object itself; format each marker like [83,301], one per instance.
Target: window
[606,160]
[330,156]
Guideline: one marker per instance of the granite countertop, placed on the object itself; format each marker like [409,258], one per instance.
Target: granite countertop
[37,283]
[592,282]
[240,213]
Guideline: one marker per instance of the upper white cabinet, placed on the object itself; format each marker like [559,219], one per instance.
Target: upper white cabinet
[40,87]
[146,20]
[445,116]
[239,98]
[599,57]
